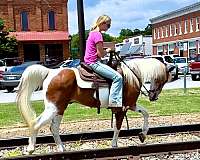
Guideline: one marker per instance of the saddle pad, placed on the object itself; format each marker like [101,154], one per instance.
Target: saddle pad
[87,76]
[84,84]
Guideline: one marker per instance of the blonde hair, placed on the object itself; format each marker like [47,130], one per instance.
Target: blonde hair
[100,20]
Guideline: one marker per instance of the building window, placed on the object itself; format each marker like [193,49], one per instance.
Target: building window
[192,49]
[180,28]
[181,48]
[158,33]
[171,48]
[166,34]
[160,50]
[155,33]
[197,24]
[199,48]
[175,30]
[170,30]
[191,25]
[186,26]
[162,32]
[51,20]
[24,21]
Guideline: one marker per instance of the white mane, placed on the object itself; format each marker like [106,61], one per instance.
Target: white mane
[146,69]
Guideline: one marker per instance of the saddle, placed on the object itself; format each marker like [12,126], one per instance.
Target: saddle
[87,74]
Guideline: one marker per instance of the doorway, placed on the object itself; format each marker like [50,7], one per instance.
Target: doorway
[31,52]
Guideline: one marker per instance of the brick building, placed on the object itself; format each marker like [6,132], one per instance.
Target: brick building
[41,27]
[177,32]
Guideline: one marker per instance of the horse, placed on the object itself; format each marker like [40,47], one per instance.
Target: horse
[64,86]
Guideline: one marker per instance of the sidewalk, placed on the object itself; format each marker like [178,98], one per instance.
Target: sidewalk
[6,97]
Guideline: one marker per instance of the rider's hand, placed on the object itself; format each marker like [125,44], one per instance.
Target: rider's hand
[108,50]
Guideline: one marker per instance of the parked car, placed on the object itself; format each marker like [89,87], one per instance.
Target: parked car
[2,68]
[52,62]
[8,63]
[11,78]
[182,63]
[195,68]
[68,63]
[167,59]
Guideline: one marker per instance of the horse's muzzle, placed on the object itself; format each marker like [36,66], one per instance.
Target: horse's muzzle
[153,98]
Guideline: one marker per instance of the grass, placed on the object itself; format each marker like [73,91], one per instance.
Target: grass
[170,102]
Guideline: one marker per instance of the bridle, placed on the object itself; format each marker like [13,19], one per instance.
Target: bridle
[133,71]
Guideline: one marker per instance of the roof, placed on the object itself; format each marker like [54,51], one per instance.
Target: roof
[177,13]
[41,36]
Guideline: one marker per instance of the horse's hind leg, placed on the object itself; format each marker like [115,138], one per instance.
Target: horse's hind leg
[145,128]
[55,131]
[119,116]
[47,115]
[32,141]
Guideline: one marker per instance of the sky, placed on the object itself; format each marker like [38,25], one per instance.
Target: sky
[125,14]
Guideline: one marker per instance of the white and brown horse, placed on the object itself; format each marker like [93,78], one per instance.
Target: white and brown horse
[64,86]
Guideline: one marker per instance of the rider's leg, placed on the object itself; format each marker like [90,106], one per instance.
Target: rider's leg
[115,98]
[55,131]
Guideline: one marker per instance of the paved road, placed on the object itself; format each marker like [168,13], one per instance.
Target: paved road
[10,97]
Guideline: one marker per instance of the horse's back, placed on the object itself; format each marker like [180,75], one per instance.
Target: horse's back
[59,84]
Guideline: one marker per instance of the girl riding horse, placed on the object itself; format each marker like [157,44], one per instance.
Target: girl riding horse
[64,86]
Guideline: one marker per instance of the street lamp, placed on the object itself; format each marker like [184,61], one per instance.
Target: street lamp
[81,26]
[70,45]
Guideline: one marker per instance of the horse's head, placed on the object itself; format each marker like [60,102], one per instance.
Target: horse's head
[158,83]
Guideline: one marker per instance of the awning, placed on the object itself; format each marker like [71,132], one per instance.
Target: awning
[41,36]
[135,49]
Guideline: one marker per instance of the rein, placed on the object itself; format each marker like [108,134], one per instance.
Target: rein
[121,60]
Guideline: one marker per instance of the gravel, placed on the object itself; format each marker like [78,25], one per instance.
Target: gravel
[96,125]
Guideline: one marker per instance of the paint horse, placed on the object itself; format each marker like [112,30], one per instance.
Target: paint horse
[64,86]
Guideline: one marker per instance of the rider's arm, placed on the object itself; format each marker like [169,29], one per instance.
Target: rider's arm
[100,51]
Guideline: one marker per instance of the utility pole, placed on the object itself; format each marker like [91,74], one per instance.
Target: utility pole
[81,28]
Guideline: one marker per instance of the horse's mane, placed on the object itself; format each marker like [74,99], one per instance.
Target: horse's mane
[146,69]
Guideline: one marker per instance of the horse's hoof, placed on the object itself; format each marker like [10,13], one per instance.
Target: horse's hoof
[114,146]
[142,137]
[30,149]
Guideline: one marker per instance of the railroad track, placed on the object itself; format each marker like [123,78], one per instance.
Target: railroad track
[110,152]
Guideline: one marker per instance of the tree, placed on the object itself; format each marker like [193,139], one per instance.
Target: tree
[137,32]
[126,33]
[107,37]
[8,45]
[148,30]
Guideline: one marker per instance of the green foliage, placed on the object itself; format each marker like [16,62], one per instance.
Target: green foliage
[8,45]
[148,30]
[137,32]
[107,37]
[180,103]
[124,33]
[1,24]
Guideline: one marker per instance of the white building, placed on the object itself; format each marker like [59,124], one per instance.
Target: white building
[139,45]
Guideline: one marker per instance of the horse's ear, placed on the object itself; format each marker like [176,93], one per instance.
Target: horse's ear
[170,68]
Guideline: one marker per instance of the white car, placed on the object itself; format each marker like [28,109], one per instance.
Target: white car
[182,63]
[68,63]
[168,60]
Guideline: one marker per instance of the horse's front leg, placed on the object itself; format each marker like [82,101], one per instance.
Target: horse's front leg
[119,116]
[145,129]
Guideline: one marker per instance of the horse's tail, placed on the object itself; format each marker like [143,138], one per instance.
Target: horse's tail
[32,79]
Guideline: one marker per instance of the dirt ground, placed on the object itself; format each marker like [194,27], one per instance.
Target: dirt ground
[102,125]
